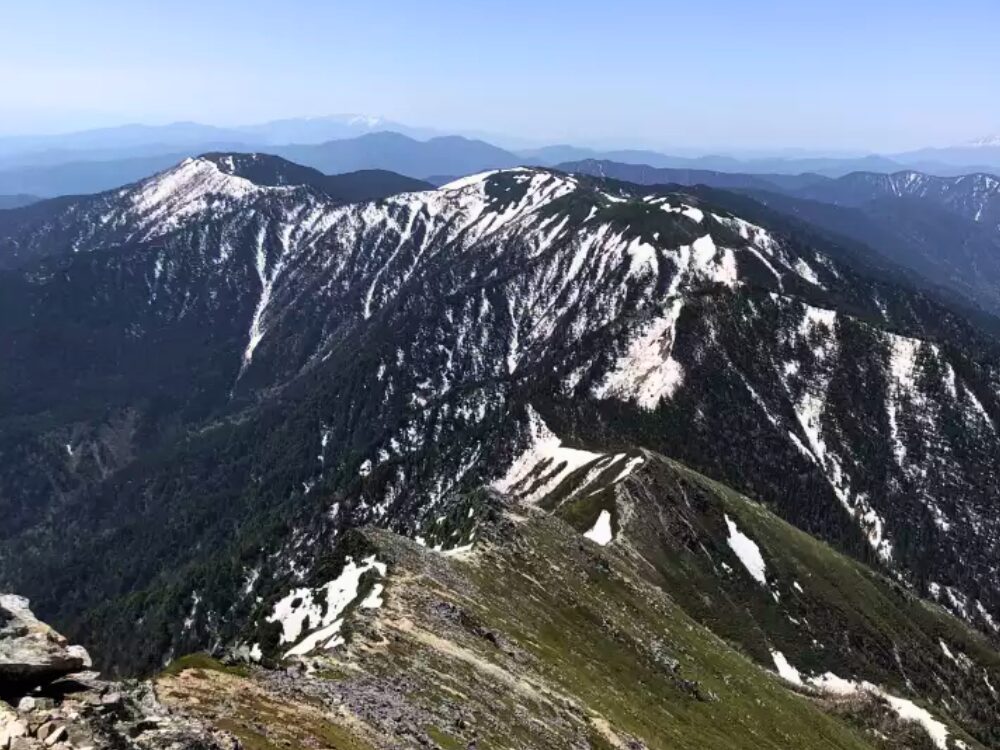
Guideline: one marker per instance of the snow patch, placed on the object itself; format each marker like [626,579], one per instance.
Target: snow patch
[469,181]
[804,270]
[905,709]
[909,711]
[786,670]
[374,599]
[747,551]
[601,532]
[304,606]
[647,371]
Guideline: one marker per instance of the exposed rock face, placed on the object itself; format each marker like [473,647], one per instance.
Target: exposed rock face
[46,701]
[32,653]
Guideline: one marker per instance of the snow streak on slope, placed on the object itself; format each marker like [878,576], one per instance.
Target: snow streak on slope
[747,551]
[785,669]
[266,280]
[818,333]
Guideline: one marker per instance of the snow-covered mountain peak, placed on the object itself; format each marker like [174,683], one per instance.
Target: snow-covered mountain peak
[196,190]
[368,121]
[188,188]
[989,141]
[479,204]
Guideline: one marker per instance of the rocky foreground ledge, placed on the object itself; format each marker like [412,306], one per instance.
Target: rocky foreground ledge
[49,699]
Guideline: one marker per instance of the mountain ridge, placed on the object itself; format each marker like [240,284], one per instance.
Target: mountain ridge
[942,229]
[248,373]
[228,176]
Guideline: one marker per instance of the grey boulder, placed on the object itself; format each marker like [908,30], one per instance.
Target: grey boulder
[32,653]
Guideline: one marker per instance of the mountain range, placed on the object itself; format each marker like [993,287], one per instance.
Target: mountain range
[96,160]
[537,454]
[102,142]
[388,151]
[945,230]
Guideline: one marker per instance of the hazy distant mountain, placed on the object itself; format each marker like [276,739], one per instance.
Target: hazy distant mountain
[134,141]
[57,157]
[83,176]
[643,174]
[984,156]
[975,196]
[369,142]
[310,130]
[100,159]
[121,137]
[551,155]
[17,201]
[368,153]
[981,154]
[831,166]
[402,154]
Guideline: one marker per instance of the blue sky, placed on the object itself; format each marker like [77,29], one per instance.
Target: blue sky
[881,75]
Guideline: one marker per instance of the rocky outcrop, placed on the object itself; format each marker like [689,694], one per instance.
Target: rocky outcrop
[46,701]
[32,653]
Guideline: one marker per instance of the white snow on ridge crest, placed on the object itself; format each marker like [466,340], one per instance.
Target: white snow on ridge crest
[469,180]
[546,462]
[545,446]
